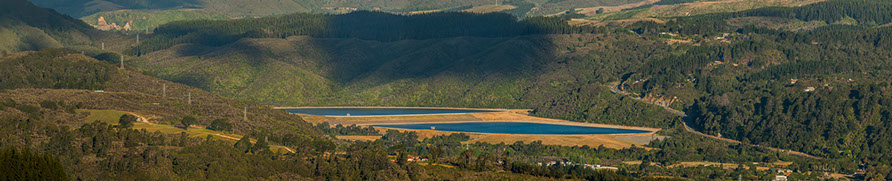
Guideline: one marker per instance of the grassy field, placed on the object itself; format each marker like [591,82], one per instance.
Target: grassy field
[693,8]
[142,19]
[358,137]
[360,120]
[490,8]
[105,116]
[112,117]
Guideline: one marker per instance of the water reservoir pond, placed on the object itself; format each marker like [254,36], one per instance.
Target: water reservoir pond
[513,128]
[380,111]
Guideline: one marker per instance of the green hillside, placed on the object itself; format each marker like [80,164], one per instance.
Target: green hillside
[47,133]
[24,26]
[712,66]
[150,14]
[666,9]
[801,88]
[64,69]
[242,8]
[143,20]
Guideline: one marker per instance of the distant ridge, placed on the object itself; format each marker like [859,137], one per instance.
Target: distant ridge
[28,27]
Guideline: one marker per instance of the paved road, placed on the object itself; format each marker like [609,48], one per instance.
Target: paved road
[615,89]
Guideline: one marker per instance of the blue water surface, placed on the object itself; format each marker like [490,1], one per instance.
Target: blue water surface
[513,128]
[379,111]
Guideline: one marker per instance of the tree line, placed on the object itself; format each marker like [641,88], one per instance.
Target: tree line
[365,25]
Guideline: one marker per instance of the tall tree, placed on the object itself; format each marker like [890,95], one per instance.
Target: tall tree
[244,145]
[187,121]
[126,121]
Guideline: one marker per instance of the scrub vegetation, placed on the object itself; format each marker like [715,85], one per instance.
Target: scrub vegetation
[820,90]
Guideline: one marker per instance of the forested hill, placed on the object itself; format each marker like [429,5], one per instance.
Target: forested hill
[24,26]
[729,76]
[247,8]
[364,25]
[818,91]
[129,90]
[53,123]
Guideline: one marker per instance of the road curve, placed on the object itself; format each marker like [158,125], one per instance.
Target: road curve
[615,89]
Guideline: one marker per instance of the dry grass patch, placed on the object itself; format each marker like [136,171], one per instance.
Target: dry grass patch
[589,11]
[105,116]
[695,8]
[358,137]
[490,8]
[112,116]
[366,120]
[564,140]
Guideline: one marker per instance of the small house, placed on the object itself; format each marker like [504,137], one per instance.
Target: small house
[780,177]
[809,89]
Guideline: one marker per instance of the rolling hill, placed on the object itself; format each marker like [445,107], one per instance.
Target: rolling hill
[149,14]
[49,108]
[24,26]
[63,75]
[821,90]
[672,8]
[715,67]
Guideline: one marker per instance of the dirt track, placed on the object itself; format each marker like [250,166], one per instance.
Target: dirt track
[614,88]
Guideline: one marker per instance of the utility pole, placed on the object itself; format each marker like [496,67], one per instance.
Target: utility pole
[103,45]
[122,61]
[164,90]
[137,38]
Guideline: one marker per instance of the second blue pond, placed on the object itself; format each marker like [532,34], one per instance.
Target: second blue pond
[513,128]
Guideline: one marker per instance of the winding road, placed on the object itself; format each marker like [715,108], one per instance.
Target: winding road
[615,89]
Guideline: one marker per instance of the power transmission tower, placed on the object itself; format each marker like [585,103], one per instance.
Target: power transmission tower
[122,61]
[190,98]
[103,45]
[246,113]
[164,90]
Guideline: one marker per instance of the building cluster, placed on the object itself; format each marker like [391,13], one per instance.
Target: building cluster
[782,174]
[586,165]
[413,158]
[105,26]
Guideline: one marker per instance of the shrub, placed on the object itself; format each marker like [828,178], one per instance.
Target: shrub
[187,121]
[220,125]
[126,121]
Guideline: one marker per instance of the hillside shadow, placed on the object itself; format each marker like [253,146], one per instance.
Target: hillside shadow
[392,47]
[461,54]
[466,56]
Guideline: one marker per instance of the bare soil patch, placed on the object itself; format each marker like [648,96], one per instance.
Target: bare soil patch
[358,137]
